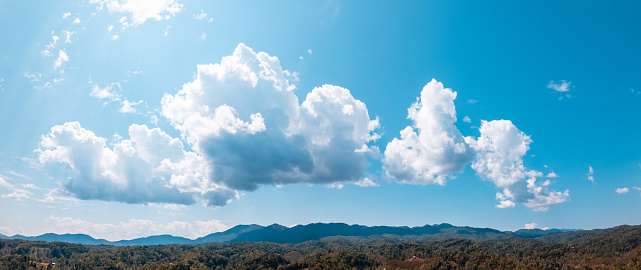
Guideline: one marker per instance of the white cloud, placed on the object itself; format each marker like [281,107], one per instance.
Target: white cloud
[166,32]
[107,92]
[472,101]
[18,175]
[500,150]
[154,119]
[62,59]
[300,57]
[203,36]
[210,20]
[30,186]
[140,11]
[309,51]
[16,193]
[133,228]
[467,119]
[437,150]
[242,115]
[335,186]
[111,27]
[371,181]
[50,46]
[200,16]
[562,86]
[622,190]
[68,35]
[149,167]
[591,174]
[129,107]
[505,204]
[552,175]
[76,21]
[530,226]
[59,195]
[64,16]
[114,37]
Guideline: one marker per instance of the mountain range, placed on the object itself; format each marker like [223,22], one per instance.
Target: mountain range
[315,231]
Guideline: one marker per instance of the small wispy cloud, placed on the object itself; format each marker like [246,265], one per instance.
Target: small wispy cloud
[64,16]
[591,174]
[201,16]
[622,190]
[563,86]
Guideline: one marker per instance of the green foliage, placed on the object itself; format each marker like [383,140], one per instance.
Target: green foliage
[617,248]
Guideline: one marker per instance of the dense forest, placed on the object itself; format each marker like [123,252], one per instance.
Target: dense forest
[616,248]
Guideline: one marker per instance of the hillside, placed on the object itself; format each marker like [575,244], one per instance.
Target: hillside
[614,248]
[280,234]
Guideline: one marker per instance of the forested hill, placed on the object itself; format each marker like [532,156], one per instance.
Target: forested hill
[280,234]
[615,248]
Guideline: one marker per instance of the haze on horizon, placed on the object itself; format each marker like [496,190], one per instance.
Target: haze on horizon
[130,118]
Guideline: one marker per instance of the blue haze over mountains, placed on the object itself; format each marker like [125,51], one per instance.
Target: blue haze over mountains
[316,231]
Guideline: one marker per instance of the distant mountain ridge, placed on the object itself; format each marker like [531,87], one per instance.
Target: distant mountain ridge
[280,234]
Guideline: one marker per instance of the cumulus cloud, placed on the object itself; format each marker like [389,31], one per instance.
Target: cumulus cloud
[551,175]
[467,119]
[241,114]
[149,167]
[433,148]
[500,150]
[76,21]
[530,226]
[134,228]
[622,190]
[67,14]
[562,86]
[140,11]
[371,181]
[61,60]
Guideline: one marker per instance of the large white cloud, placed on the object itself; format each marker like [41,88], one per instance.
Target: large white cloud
[242,115]
[149,167]
[500,150]
[433,148]
[141,10]
[246,128]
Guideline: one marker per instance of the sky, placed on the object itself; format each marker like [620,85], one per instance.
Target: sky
[129,118]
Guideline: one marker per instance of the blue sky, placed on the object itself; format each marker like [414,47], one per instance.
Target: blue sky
[129,118]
